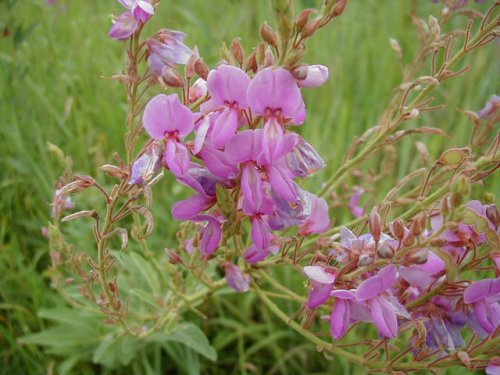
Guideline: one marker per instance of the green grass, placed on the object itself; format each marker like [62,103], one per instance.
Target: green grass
[51,90]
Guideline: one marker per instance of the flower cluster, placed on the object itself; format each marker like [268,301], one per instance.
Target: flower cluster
[138,12]
[404,291]
[231,151]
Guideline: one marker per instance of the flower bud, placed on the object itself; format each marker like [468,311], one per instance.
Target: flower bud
[365,259]
[201,68]
[303,18]
[296,55]
[316,76]
[304,159]
[338,8]
[173,257]
[171,77]
[237,51]
[438,242]
[260,54]
[385,251]
[198,90]
[419,256]
[310,27]
[113,171]
[79,214]
[434,27]
[409,240]
[269,57]
[396,47]
[268,35]
[299,72]
[235,278]
[398,229]
[456,199]
[417,226]
[195,56]
[251,63]
[375,224]
[461,185]
[493,215]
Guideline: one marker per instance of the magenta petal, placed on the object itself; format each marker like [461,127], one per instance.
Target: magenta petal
[227,85]
[217,162]
[165,114]
[319,274]
[343,294]
[224,127]
[484,316]
[236,279]
[201,134]
[274,89]
[211,236]
[261,233]
[177,157]
[319,220]
[143,11]
[374,285]
[129,4]
[188,209]
[124,26]
[481,289]
[316,76]
[282,184]
[340,319]
[272,140]
[384,317]
[319,294]
[254,254]
[244,146]
[252,188]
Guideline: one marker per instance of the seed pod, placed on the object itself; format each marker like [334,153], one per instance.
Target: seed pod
[268,35]
[237,51]
[454,157]
[201,68]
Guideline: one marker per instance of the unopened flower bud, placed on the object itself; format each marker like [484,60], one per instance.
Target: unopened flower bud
[456,199]
[419,256]
[375,224]
[418,225]
[269,57]
[198,90]
[173,257]
[195,56]
[434,27]
[310,27]
[303,18]
[113,171]
[461,185]
[201,68]
[236,279]
[409,240]
[445,207]
[268,35]
[385,251]
[237,51]
[260,54]
[493,215]
[296,55]
[438,242]
[304,159]
[251,63]
[365,259]
[338,8]
[316,76]
[396,47]
[398,229]
[299,72]
[172,78]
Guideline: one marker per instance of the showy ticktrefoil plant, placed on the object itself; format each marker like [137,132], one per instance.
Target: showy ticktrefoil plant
[420,267]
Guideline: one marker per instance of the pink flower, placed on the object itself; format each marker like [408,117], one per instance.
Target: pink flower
[316,76]
[139,11]
[236,279]
[322,279]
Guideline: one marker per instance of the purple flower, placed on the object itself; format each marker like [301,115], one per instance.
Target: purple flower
[491,108]
[423,275]
[139,11]
[316,76]
[493,367]
[304,160]
[319,220]
[484,296]
[211,234]
[322,279]
[146,166]
[354,206]
[167,49]
[166,118]
[236,279]
[60,203]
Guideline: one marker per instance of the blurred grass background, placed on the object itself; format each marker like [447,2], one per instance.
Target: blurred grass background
[51,61]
